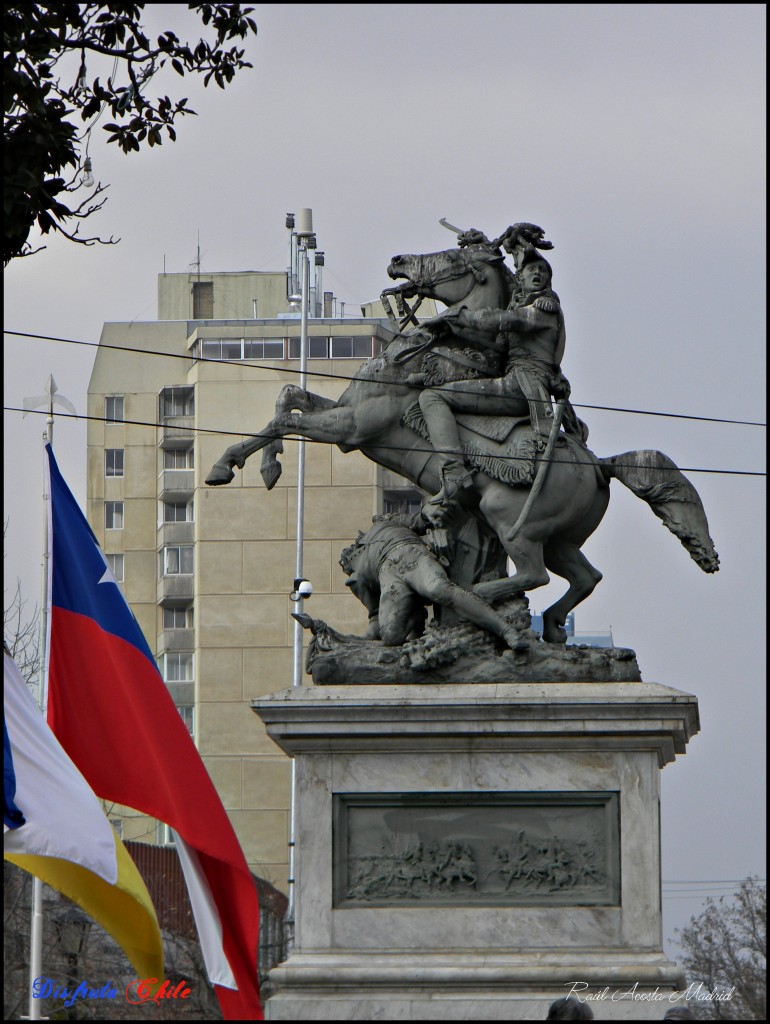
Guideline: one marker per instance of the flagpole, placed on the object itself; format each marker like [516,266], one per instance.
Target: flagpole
[36,928]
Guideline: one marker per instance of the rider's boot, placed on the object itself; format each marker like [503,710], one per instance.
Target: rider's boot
[455,476]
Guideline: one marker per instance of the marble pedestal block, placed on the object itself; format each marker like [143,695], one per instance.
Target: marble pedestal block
[469,852]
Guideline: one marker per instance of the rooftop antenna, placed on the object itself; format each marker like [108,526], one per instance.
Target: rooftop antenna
[292,274]
[196,262]
[319,263]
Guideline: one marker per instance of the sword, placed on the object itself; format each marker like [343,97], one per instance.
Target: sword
[470,237]
[445,224]
[542,470]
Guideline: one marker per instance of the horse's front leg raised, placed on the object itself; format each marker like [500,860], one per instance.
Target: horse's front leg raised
[222,470]
[291,397]
[335,425]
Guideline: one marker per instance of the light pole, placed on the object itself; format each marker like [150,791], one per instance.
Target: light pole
[307,241]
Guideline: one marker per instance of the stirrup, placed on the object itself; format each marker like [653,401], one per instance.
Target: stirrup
[454,478]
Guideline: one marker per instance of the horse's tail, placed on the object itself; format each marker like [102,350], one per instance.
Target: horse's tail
[654,477]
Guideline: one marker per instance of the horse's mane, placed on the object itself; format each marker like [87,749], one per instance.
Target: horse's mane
[493,256]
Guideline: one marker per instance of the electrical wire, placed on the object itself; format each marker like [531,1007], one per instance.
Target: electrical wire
[704,889]
[344,377]
[372,445]
[712,881]
[700,899]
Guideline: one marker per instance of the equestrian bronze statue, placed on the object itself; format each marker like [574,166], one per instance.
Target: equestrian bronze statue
[472,406]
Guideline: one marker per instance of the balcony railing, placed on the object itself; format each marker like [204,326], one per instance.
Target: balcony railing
[176,484]
[183,692]
[177,431]
[176,533]
[177,640]
[176,589]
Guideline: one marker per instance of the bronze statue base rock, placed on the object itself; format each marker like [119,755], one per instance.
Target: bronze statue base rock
[461,653]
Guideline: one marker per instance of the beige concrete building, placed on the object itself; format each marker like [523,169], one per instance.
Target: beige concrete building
[208,571]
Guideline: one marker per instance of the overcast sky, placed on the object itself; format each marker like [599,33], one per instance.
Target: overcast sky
[634,135]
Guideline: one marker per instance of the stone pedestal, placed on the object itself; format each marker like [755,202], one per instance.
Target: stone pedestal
[468,852]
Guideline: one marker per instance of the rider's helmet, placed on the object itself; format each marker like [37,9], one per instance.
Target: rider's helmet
[529,254]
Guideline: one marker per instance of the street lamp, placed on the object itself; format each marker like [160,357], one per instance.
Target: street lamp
[302,587]
[307,242]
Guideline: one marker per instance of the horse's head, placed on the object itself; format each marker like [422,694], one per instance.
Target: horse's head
[475,274]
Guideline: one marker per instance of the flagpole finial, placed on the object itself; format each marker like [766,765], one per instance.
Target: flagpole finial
[48,400]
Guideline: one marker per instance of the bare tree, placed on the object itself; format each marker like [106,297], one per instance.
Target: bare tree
[21,630]
[725,955]
[75,949]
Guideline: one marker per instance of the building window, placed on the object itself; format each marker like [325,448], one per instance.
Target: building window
[211,348]
[176,666]
[232,348]
[178,618]
[222,348]
[177,560]
[402,502]
[177,402]
[113,515]
[113,409]
[187,711]
[178,458]
[115,563]
[242,348]
[203,300]
[178,512]
[264,348]
[317,348]
[113,462]
[356,346]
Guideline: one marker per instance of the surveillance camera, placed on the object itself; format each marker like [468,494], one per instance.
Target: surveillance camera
[302,589]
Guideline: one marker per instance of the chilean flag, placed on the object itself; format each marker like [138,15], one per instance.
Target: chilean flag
[112,713]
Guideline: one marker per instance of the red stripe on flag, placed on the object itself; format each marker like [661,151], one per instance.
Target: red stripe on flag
[113,714]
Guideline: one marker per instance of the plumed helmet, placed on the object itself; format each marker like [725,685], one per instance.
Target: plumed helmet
[531,255]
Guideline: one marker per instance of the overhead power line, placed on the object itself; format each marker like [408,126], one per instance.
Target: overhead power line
[373,444]
[344,377]
[712,881]
[703,889]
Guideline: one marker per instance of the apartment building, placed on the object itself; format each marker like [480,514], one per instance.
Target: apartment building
[208,571]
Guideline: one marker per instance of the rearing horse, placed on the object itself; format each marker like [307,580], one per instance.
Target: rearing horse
[369,415]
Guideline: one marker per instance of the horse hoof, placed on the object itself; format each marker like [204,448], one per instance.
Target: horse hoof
[219,475]
[271,473]
[553,634]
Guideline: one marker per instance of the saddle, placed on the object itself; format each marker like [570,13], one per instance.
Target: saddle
[503,447]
